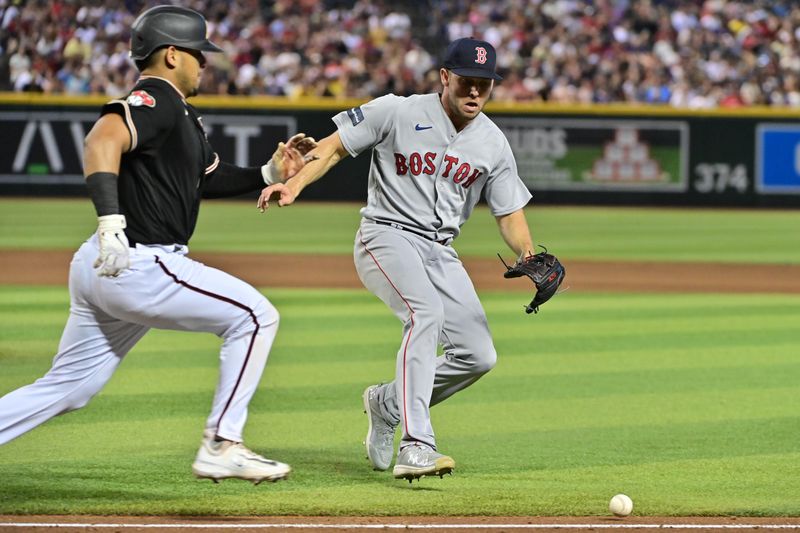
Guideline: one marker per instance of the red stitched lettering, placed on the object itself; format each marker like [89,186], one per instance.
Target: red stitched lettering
[430,163]
[472,179]
[461,173]
[415,163]
[400,163]
[450,162]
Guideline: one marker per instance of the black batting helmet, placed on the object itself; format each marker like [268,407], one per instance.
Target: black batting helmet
[169,26]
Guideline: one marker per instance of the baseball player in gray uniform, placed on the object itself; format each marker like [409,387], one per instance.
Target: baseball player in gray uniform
[432,157]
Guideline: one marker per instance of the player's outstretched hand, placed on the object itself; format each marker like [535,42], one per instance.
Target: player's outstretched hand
[290,157]
[301,143]
[278,191]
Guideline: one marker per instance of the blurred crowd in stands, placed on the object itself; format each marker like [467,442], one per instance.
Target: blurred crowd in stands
[697,54]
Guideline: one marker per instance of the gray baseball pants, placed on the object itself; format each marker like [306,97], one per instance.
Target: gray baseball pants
[425,285]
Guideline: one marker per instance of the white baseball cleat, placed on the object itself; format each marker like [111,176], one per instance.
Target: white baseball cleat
[380,434]
[417,460]
[226,459]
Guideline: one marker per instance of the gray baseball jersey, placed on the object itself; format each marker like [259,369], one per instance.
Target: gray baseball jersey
[425,179]
[424,174]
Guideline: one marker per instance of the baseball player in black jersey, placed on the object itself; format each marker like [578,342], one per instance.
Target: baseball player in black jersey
[148,163]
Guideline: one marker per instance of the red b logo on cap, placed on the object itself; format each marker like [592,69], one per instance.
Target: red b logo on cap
[481,55]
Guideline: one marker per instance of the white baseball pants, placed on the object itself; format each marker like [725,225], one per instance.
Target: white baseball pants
[162,289]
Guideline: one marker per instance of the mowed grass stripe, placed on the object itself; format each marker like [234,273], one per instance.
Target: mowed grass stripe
[579,402]
[581,406]
[630,445]
[683,333]
[739,486]
[583,232]
[615,411]
[535,473]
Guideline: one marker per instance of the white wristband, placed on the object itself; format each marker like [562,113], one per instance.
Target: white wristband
[111,223]
[270,174]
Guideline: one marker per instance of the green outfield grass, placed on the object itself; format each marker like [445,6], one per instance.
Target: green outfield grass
[748,236]
[688,403]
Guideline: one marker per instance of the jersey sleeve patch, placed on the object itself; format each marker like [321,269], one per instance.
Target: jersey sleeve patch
[139,98]
[356,115]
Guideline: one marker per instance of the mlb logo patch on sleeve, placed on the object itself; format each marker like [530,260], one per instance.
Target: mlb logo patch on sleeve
[356,115]
[138,98]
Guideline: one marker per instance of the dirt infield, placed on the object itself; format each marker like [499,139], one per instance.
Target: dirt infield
[345,523]
[281,270]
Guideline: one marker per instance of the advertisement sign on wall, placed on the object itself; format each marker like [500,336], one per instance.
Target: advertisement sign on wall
[47,147]
[778,159]
[587,155]
[632,157]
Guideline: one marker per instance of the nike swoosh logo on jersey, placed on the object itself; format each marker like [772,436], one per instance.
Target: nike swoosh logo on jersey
[420,128]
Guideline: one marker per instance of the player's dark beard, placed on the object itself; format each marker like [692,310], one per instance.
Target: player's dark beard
[189,87]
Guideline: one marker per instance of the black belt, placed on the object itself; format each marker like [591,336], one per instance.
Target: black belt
[132,243]
[420,234]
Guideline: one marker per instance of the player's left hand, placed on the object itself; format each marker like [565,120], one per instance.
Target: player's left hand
[546,272]
[279,191]
[289,158]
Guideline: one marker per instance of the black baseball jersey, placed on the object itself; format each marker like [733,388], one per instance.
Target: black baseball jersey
[169,166]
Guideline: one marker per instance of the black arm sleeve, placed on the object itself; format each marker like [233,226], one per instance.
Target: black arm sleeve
[103,192]
[230,180]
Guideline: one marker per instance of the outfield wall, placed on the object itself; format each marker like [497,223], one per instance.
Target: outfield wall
[616,155]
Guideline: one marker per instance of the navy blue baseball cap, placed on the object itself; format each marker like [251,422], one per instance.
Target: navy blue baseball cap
[472,58]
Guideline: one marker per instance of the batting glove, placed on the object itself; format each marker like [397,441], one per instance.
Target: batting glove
[114,249]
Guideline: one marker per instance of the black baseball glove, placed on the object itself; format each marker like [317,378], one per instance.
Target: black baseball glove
[545,271]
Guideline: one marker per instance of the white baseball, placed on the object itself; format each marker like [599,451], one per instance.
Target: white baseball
[620,505]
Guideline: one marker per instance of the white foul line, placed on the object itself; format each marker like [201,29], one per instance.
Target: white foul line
[76,525]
